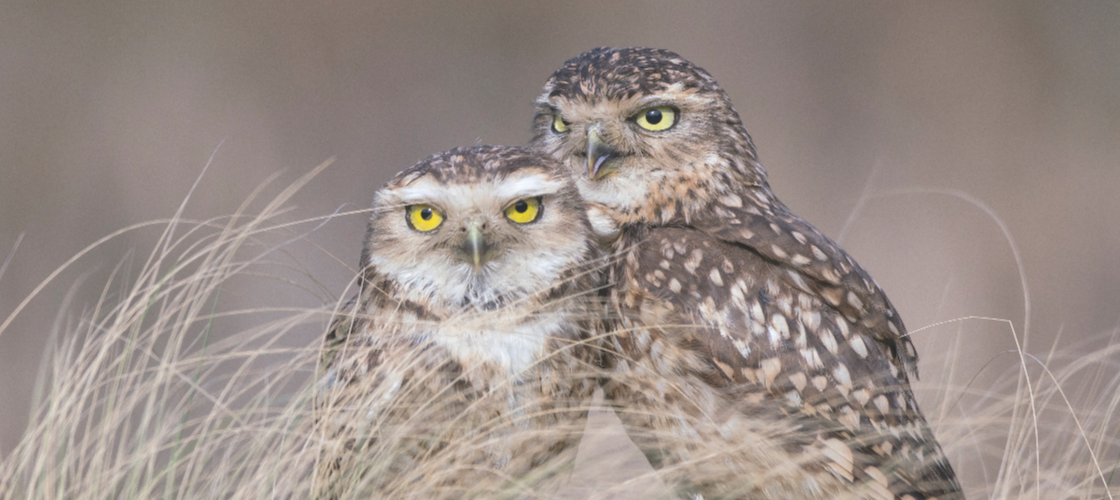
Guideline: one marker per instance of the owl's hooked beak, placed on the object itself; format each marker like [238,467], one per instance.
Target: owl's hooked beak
[599,156]
[474,247]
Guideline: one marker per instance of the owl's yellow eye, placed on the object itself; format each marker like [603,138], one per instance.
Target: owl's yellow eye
[558,124]
[424,218]
[656,119]
[524,211]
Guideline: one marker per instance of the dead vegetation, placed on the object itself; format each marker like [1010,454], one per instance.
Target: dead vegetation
[147,395]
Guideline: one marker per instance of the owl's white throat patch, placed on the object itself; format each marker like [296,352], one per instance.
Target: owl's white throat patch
[497,338]
[477,326]
[619,191]
[479,293]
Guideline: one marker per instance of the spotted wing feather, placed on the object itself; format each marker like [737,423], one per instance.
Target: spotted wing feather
[753,321]
[814,264]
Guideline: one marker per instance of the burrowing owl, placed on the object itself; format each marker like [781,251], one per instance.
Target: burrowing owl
[731,309]
[461,367]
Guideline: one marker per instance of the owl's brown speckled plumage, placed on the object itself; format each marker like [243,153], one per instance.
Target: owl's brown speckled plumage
[747,338]
[462,368]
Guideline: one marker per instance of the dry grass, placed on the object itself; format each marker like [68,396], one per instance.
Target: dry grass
[1047,428]
[147,395]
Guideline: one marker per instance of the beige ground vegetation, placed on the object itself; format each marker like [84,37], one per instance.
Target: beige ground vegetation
[146,395]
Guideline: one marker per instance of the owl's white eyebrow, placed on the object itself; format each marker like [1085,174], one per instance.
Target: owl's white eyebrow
[417,192]
[530,186]
[424,191]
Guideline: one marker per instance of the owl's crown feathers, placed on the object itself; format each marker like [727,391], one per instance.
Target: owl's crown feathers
[623,73]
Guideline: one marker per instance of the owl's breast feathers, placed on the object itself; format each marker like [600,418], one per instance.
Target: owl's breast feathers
[395,391]
[770,305]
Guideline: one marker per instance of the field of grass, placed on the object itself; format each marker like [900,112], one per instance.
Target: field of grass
[150,395]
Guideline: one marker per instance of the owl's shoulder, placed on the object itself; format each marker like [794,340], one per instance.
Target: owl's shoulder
[761,263]
[811,262]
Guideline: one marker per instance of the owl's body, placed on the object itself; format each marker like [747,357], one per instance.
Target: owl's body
[462,367]
[756,358]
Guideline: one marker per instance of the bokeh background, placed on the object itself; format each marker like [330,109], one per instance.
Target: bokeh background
[964,152]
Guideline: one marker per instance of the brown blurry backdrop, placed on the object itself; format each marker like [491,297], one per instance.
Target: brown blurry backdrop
[864,113]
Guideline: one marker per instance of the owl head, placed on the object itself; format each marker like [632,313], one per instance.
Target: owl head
[648,134]
[476,228]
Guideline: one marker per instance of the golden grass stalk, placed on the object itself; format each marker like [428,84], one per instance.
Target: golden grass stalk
[161,391]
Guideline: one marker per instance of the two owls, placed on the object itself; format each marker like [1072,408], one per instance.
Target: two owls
[638,246]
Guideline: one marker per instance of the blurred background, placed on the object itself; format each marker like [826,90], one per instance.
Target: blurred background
[964,152]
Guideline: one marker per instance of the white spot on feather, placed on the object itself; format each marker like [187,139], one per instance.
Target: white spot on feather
[862,396]
[812,359]
[858,346]
[779,252]
[828,339]
[693,261]
[853,299]
[841,456]
[818,253]
[840,373]
[781,325]
[770,368]
[848,418]
[743,347]
[878,485]
[717,280]
[881,403]
[799,380]
[820,382]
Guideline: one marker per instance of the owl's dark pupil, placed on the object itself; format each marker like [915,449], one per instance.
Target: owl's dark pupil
[653,116]
[521,207]
[426,214]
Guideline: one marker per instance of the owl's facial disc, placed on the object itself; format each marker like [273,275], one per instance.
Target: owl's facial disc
[609,141]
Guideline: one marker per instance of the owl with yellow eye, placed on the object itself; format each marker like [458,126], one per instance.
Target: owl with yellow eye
[754,357]
[465,364]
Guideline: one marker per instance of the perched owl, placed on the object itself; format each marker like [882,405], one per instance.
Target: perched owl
[463,366]
[747,338]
